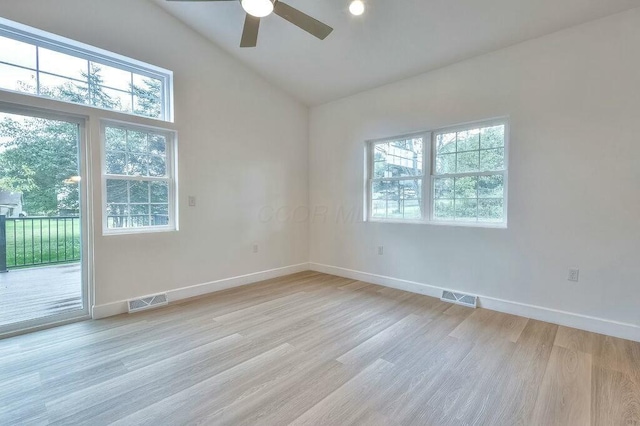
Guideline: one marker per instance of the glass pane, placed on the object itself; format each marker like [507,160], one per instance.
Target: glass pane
[138,220]
[63,89]
[147,96]
[446,143]
[116,162]
[398,158]
[159,192]
[113,78]
[18,79]
[491,186]
[117,215]
[139,209]
[379,196]
[466,187]
[139,192]
[17,53]
[160,209]
[467,162]
[138,165]
[116,191]
[157,144]
[492,137]
[157,166]
[63,65]
[491,210]
[159,214]
[116,139]
[411,196]
[468,140]
[443,188]
[397,199]
[492,159]
[136,141]
[445,164]
[466,210]
[444,209]
[115,100]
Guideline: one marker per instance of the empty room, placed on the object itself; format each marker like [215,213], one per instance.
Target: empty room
[323,212]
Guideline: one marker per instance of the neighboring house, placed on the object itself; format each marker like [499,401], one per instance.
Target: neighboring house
[11,204]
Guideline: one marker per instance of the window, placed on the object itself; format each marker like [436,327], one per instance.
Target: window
[460,172]
[138,179]
[45,65]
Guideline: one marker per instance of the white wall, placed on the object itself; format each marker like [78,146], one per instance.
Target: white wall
[242,144]
[574,193]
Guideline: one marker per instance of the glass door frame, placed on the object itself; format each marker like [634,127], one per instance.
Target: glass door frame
[84,156]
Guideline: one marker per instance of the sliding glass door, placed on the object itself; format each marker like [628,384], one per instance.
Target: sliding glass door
[42,228]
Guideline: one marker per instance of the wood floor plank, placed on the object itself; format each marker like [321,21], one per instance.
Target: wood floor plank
[564,397]
[522,375]
[349,401]
[487,323]
[381,343]
[313,348]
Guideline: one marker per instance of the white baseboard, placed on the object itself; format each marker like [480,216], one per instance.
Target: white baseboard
[120,307]
[568,319]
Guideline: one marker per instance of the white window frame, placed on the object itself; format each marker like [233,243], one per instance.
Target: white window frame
[171,178]
[39,38]
[428,177]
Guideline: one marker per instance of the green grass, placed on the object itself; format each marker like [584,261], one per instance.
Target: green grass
[41,241]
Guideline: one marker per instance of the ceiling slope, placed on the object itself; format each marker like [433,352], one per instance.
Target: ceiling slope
[391,41]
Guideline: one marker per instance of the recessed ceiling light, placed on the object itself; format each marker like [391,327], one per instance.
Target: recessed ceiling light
[356,7]
[257,8]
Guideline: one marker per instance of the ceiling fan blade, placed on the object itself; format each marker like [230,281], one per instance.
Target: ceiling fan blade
[250,32]
[202,0]
[302,20]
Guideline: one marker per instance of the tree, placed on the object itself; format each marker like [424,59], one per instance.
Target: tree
[37,158]
[149,98]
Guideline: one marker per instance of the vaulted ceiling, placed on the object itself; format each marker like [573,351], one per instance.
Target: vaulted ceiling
[394,39]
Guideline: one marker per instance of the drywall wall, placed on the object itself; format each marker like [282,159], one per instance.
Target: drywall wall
[242,145]
[573,99]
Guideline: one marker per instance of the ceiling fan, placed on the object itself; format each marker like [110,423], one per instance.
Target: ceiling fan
[257,9]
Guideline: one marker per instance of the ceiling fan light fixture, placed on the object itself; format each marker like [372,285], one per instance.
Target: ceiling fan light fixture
[356,7]
[258,8]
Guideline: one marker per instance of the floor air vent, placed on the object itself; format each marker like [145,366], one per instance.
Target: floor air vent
[460,299]
[148,302]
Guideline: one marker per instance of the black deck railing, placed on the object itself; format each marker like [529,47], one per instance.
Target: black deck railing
[39,241]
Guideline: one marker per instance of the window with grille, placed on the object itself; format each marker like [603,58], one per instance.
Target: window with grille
[138,179]
[38,63]
[450,176]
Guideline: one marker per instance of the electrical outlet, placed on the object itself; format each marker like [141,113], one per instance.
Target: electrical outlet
[574,274]
[380,250]
[192,201]
[255,248]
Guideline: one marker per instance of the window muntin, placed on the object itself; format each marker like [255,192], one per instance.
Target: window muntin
[41,64]
[451,176]
[138,178]
[397,175]
[469,174]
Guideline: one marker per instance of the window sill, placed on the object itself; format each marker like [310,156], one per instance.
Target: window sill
[149,230]
[488,225]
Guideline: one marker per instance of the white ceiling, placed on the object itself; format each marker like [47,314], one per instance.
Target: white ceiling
[394,39]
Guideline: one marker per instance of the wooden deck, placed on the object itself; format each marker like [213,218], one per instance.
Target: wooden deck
[27,294]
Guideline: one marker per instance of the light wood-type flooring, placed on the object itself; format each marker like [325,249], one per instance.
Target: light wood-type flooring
[317,349]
